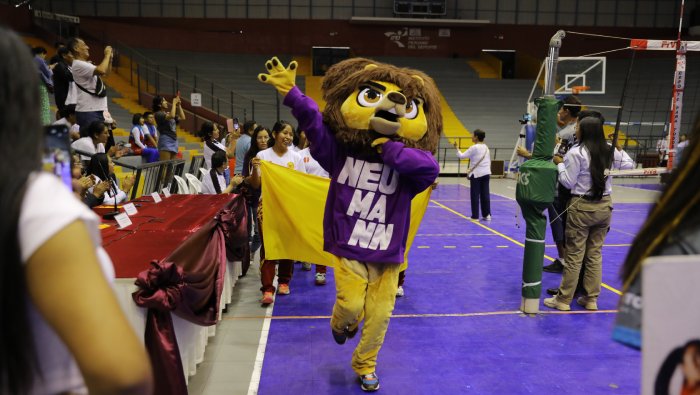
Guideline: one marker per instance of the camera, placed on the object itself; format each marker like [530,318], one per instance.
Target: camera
[525,119]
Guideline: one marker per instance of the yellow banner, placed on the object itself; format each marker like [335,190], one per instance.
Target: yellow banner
[293,207]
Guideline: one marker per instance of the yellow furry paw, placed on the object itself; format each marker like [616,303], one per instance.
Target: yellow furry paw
[283,79]
[379,141]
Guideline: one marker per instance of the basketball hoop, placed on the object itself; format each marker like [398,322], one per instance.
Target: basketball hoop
[578,89]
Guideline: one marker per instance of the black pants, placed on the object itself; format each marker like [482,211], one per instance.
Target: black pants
[479,191]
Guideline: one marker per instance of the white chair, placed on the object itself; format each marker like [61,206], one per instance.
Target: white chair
[203,172]
[182,188]
[195,184]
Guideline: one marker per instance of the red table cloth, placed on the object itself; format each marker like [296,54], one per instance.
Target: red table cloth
[178,250]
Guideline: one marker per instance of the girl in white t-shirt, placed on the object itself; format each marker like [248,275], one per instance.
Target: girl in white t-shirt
[279,154]
[63,329]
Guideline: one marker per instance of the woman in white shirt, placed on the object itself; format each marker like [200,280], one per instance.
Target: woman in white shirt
[101,168]
[279,154]
[479,174]
[94,142]
[209,133]
[214,182]
[589,212]
[63,330]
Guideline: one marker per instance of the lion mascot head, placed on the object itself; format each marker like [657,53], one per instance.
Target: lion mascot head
[366,100]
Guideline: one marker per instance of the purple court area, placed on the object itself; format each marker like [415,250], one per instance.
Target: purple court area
[650,187]
[458,330]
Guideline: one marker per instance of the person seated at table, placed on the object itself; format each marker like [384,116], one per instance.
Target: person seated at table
[101,168]
[214,182]
[81,183]
[63,330]
[96,141]
[138,138]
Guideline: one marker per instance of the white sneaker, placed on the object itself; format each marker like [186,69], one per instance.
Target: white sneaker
[487,218]
[399,292]
[306,266]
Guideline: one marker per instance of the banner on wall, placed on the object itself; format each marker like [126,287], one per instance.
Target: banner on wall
[671,325]
[414,38]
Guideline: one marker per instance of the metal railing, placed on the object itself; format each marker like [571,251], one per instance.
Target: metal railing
[155,176]
[149,76]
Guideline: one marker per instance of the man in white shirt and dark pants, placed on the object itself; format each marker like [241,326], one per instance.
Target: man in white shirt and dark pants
[89,105]
[479,174]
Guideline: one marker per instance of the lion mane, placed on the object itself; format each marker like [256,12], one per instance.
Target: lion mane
[343,78]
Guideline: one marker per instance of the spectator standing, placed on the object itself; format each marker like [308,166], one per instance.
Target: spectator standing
[260,138]
[243,145]
[56,57]
[54,271]
[479,174]
[583,172]
[62,77]
[281,155]
[91,95]
[209,133]
[566,117]
[46,87]
[166,122]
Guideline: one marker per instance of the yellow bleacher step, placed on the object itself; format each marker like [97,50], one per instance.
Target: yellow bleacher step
[304,63]
[483,69]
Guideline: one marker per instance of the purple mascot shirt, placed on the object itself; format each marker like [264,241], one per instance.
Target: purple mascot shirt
[369,201]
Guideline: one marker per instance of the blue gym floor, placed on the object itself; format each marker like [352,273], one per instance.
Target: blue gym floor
[458,329]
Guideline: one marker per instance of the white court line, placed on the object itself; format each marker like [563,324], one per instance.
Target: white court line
[262,345]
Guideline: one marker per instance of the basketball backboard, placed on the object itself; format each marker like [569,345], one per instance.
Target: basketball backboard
[581,72]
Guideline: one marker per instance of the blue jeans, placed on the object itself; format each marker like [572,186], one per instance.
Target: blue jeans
[84,119]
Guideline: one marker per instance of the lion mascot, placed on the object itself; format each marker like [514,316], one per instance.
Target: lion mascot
[375,138]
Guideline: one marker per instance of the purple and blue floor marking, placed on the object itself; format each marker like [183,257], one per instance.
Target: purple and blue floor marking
[651,187]
[457,267]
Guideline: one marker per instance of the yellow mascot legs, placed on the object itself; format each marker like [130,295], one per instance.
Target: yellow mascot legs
[364,290]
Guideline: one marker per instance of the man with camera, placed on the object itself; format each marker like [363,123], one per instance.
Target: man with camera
[91,92]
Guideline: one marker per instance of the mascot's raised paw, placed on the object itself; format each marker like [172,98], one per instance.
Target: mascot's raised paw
[377,143]
[283,79]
